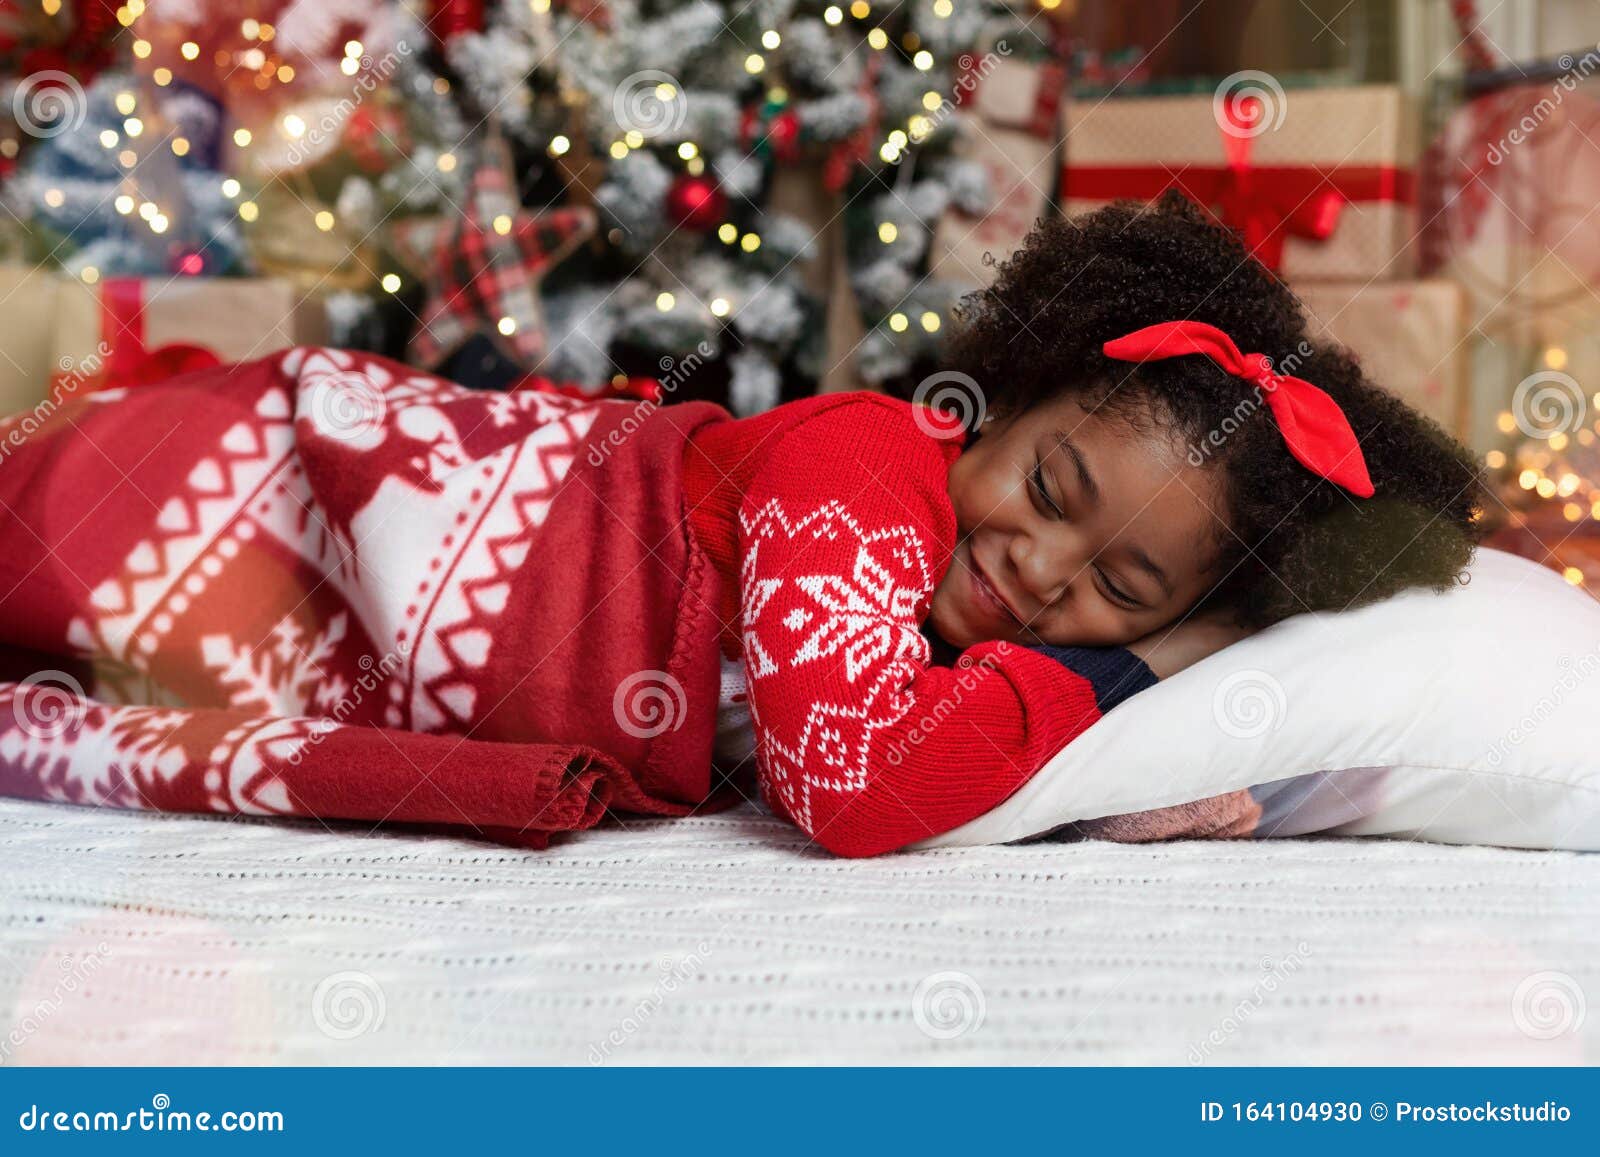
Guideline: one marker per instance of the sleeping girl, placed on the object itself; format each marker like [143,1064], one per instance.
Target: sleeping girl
[326,585]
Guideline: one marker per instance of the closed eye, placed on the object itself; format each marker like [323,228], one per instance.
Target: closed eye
[1042,497]
[1115,593]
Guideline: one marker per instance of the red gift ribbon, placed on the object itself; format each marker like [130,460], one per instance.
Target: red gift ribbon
[1267,204]
[129,362]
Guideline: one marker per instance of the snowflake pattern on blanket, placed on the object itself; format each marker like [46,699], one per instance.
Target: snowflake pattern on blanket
[325,584]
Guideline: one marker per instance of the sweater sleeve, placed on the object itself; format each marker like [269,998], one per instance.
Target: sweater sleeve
[844,533]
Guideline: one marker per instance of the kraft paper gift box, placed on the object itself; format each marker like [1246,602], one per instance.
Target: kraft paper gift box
[1014,118]
[1320,183]
[27,346]
[129,322]
[1409,335]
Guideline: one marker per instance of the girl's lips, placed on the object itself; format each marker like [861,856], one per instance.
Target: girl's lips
[985,595]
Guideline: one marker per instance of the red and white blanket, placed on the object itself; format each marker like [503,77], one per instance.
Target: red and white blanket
[324,584]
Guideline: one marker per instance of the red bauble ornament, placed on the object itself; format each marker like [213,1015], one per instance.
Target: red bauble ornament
[696,203]
[448,19]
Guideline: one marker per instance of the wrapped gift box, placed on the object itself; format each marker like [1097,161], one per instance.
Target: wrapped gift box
[129,323]
[1320,183]
[1015,116]
[1410,336]
[27,346]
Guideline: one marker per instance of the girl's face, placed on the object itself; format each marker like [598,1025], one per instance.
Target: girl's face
[1075,529]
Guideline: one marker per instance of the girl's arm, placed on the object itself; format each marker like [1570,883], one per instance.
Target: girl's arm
[845,531]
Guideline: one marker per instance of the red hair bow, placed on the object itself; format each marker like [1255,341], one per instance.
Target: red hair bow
[1314,428]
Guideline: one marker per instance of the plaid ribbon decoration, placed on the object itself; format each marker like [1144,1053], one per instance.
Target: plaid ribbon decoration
[483,280]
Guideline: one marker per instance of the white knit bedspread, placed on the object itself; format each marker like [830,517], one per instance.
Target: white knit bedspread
[129,938]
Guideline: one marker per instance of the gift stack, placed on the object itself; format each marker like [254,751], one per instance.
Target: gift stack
[1014,117]
[1320,184]
[65,337]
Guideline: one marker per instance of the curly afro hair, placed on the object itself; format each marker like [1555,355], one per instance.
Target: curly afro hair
[1295,542]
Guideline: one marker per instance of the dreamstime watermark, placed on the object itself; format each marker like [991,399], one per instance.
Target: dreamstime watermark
[675,973]
[1548,1004]
[970,71]
[675,371]
[1547,403]
[75,971]
[1274,972]
[1249,704]
[649,703]
[651,103]
[1573,673]
[1573,73]
[1249,103]
[374,674]
[306,140]
[1248,407]
[949,1004]
[969,674]
[49,103]
[47,704]
[344,405]
[952,392]
[348,1004]
[71,374]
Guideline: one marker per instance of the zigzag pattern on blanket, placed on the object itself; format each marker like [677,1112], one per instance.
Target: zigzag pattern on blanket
[303,586]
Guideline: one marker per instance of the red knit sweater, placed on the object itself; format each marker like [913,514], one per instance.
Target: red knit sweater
[830,520]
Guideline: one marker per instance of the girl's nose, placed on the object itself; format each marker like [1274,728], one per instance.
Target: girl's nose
[1045,564]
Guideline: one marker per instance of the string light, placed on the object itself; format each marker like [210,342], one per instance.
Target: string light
[242,138]
[923,60]
[932,100]
[446,162]
[1505,421]
[148,210]
[324,221]
[687,150]
[180,146]
[559,146]
[162,77]
[142,49]
[861,9]
[754,63]
[943,8]
[54,198]
[619,149]
[887,232]
[1556,358]
[133,126]
[1495,459]
[127,158]
[770,39]
[390,283]
[898,322]
[634,138]
[51,7]
[189,50]
[1573,575]
[158,223]
[507,326]
[126,103]
[719,307]
[294,127]
[833,14]
[502,224]
[248,211]
[665,301]
[878,38]
[124,204]
[230,188]
[930,321]
[750,242]
[89,274]
[727,233]
[109,138]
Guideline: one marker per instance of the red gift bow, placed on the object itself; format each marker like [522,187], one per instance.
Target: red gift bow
[1313,426]
[1267,203]
[129,363]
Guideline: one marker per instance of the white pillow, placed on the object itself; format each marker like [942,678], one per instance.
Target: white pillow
[1471,716]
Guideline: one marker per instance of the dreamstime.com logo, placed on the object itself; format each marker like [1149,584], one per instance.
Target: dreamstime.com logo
[1249,103]
[75,973]
[49,103]
[1275,972]
[651,103]
[947,1005]
[1548,1004]
[1547,403]
[345,406]
[970,71]
[308,139]
[953,392]
[348,1004]
[47,704]
[1249,704]
[649,703]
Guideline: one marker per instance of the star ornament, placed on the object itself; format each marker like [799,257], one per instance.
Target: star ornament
[483,268]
